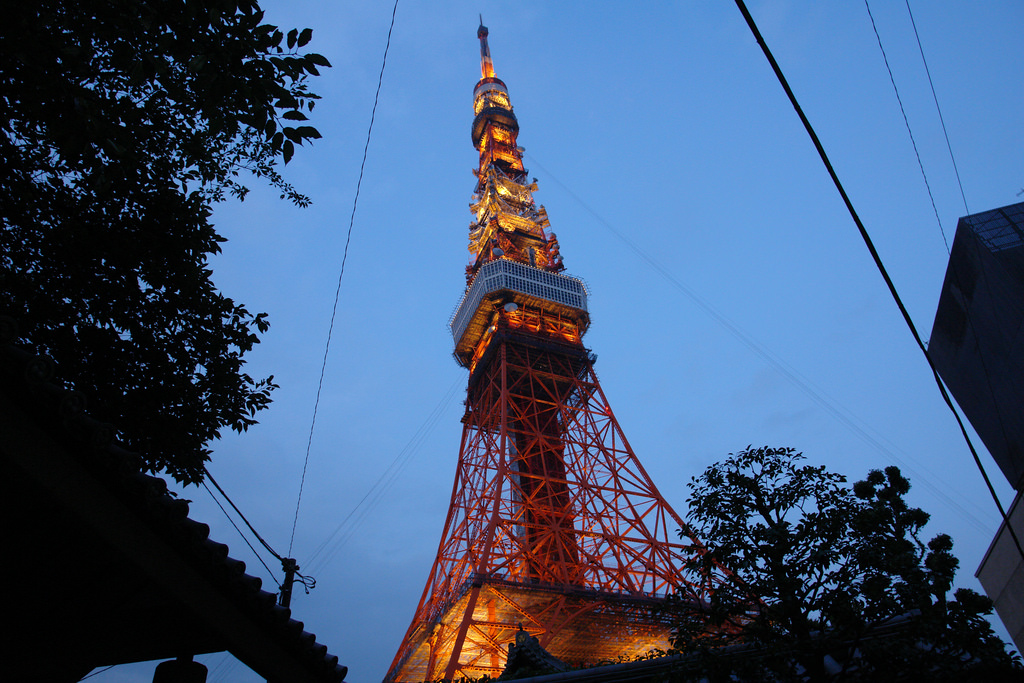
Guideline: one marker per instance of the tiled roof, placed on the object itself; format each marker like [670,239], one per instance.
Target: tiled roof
[108,566]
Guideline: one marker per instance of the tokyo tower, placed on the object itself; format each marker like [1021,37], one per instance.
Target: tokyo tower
[554,526]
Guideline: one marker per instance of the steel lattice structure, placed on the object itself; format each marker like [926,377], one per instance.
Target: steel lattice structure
[554,526]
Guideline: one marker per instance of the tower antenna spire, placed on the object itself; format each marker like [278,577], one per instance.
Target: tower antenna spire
[486,66]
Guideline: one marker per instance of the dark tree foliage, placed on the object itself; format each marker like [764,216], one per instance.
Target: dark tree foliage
[828,583]
[123,122]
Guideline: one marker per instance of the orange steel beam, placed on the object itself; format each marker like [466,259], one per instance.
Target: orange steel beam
[548,493]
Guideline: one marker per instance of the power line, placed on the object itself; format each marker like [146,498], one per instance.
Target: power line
[251,547]
[225,666]
[906,121]
[309,582]
[97,672]
[383,483]
[289,565]
[235,507]
[337,291]
[954,270]
[878,262]
[816,394]
[935,97]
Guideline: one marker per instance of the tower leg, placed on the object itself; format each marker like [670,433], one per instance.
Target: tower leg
[553,524]
[460,639]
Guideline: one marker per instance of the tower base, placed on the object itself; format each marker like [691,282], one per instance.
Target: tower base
[580,627]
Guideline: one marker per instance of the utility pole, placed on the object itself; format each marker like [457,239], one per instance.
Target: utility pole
[284,598]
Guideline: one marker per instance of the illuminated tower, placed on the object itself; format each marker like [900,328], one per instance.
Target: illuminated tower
[554,525]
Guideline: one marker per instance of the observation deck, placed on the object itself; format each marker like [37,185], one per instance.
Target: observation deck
[504,282]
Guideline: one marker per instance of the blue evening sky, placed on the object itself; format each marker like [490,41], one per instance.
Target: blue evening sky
[733,301]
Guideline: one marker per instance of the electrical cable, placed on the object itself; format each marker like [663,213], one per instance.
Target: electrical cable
[906,121]
[411,448]
[935,97]
[337,292]
[235,507]
[878,262]
[97,672]
[969,219]
[830,405]
[253,549]
[307,582]
[225,666]
[383,483]
[954,271]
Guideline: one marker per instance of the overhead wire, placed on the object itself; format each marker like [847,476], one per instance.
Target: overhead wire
[374,501]
[225,666]
[404,455]
[251,547]
[266,545]
[906,121]
[938,109]
[307,581]
[337,292]
[842,414]
[97,672]
[329,547]
[954,270]
[878,263]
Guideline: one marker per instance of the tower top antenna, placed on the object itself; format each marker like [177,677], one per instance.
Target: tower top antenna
[486,66]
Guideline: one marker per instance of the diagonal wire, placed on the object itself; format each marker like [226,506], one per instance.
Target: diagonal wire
[329,547]
[937,108]
[266,545]
[251,547]
[816,394]
[907,121]
[878,262]
[337,292]
[97,672]
[954,272]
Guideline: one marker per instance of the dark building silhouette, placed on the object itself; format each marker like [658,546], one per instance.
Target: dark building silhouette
[977,341]
[104,566]
[977,345]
